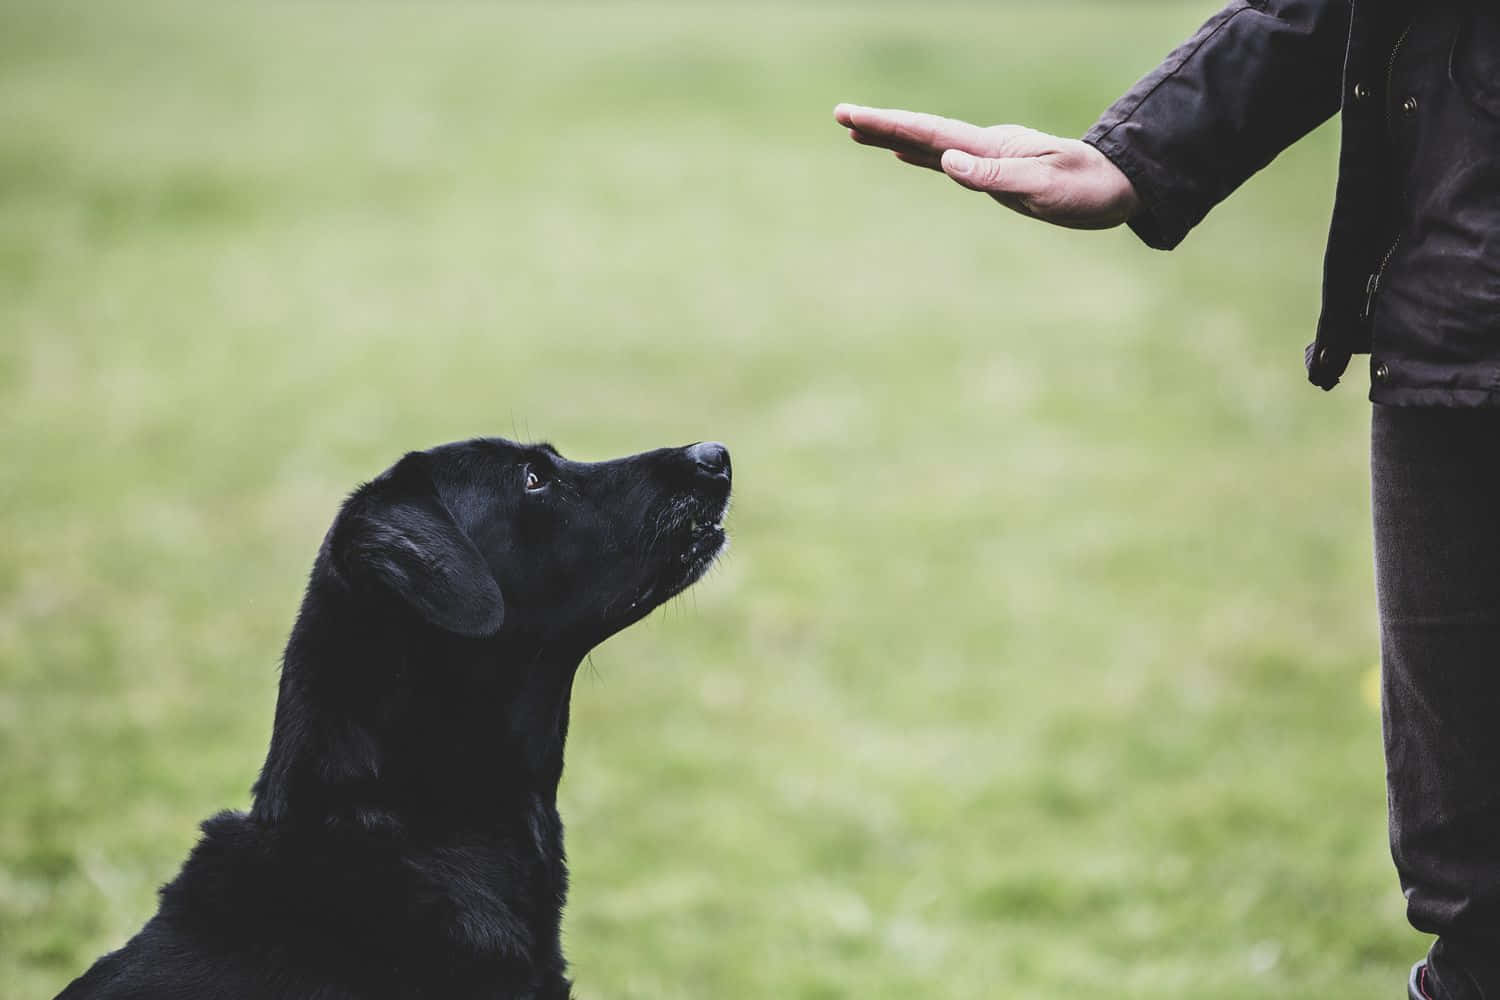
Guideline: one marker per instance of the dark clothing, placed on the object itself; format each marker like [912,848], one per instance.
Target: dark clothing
[1411,276]
[1412,273]
[1436,490]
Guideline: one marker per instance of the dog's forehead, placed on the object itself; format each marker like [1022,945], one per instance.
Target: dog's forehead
[488,450]
[484,460]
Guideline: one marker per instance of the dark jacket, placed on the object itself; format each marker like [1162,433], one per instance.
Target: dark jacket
[1412,273]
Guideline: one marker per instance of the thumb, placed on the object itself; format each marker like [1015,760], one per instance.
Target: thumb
[1021,175]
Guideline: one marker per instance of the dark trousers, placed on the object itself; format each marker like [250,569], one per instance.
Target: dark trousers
[1435,477]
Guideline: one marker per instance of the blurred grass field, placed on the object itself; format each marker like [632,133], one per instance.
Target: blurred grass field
[1041,663]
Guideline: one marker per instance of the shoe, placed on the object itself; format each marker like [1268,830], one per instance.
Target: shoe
[1416,987]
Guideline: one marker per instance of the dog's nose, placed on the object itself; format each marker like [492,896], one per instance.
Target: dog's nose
[711,458]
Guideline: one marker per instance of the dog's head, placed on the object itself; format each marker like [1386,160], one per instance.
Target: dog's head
[490,538]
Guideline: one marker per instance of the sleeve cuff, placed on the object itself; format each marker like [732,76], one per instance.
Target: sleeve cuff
[1156,222]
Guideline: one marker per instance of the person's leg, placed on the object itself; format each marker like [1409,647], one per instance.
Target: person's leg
[1436,496]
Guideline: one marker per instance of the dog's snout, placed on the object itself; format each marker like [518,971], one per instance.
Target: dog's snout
[710,458]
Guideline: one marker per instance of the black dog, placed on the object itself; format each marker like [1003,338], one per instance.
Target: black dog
[404,839]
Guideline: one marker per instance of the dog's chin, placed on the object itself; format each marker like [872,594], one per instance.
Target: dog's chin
[705,543]
[697,545]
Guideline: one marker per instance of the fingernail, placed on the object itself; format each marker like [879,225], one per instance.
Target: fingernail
[957,161]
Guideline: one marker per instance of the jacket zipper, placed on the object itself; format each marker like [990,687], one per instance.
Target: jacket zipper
[1373,284]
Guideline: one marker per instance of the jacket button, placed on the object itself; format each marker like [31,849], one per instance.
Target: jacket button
[1382,373]
[1361,91]
[1409,106]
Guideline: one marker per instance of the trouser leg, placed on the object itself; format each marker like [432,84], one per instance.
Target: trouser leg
[1436,496]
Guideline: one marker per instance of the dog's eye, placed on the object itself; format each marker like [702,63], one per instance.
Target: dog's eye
[533,481]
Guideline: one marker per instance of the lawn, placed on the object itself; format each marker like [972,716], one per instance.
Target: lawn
[1042,664]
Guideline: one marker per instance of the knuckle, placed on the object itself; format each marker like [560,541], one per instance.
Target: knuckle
[988,173]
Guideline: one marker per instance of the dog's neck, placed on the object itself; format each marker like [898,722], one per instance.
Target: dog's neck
[451,765]
[458,734]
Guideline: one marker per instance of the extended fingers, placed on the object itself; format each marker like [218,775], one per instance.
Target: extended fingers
[929,160]
[894,128]
[907,152]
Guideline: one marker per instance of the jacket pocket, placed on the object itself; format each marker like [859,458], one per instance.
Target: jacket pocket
[1474,63]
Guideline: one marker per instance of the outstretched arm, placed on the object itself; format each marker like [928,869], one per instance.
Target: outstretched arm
[1256,77]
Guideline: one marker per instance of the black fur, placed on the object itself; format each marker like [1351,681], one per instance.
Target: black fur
[404,839]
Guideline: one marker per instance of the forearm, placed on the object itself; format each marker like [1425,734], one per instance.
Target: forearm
[1255,78]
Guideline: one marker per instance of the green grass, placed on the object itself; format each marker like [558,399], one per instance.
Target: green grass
[1041,663]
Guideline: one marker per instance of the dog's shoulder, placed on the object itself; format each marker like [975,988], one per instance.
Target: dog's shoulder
[258,910]
[215,932]
[287,912]
[235,878]
[198,944]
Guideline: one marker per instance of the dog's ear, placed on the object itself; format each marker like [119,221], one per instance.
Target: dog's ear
[406,541]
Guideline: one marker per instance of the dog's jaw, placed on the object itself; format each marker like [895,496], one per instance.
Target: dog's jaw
[707,542]
[697,542]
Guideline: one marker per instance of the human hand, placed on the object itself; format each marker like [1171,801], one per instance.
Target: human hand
[1062,181]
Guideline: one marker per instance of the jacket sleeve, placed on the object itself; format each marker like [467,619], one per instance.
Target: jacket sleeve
[1253,80]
